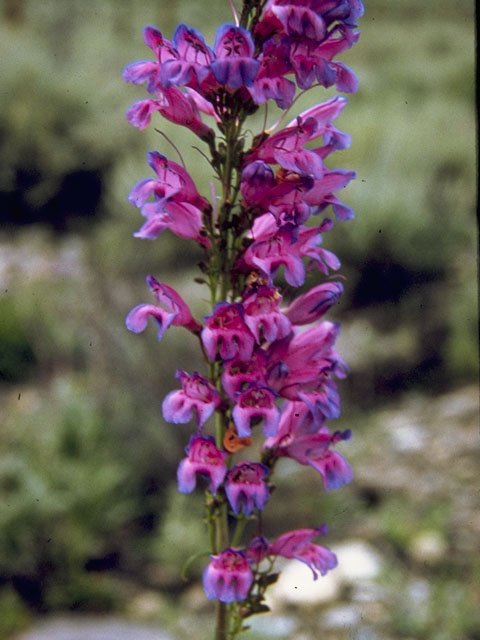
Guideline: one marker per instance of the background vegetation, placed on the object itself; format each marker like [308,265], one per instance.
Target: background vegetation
[89,513]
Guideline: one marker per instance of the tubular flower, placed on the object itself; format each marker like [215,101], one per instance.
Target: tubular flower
[239,374]
[192,58]
[176,312]
[263,317]
[256,402]
[270,82]
[176,203]
[172,104]
[226,331]
[313,304]
[314,450]
[297,544]
[257,550]
[246,488]
[228,576]
[204,458]
[234,66]
[315,31]
[196,395]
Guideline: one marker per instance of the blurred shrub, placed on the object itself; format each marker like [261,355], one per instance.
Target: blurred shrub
[17,358]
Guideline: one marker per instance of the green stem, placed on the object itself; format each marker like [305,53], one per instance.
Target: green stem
[239,529]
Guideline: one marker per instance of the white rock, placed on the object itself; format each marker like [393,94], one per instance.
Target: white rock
[408,436]
[428,546]
[341,617]
[94,628]
[357,561]
[297,586]
[272,626]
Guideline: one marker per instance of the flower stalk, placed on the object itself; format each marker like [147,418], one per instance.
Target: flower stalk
[264,372]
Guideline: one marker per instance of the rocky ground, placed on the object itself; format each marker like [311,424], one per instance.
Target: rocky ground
[408,568]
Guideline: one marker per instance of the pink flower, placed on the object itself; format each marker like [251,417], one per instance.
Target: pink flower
[270,81]
[267,255]
[228,577]
[286,149]
[173,182]
[205,458]
[313,304]
[257,550]
[300,368]
[297,544]
[316,32]
[296,419]
[196,395]
[308,441]
[176,205]
[176,313]
[321,194]
[239,373]
[234,66]
[225,330]
[314,450]
[287,245]
[263,317]
[246,488]
[174,105]
[257,180]
[148,70]
[192,58]
[256,402]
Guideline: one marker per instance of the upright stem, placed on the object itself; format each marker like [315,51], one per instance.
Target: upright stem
[221,626]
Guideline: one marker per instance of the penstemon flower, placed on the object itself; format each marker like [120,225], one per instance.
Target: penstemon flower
[270,358]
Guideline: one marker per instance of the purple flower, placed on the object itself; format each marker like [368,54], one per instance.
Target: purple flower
[286,149]
[256,402]
[228,576]
[257,550]
[321,194]
[176,205]
[300,369]
[197,394]
[299,21]
[148,70]
[257,179]
[270,81]
[174,105]
[239,374]
[235,65]
[316,31]
[297,544]
[193,56]
[313,304]
[173,182]
[205,458]
[269,254]
[246,488]
[176,312]
[314,450]
[307,440]
[263,317]
[225,330]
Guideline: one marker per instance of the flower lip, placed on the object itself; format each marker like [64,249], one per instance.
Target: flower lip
[205,458]
[228,576]
[246,488]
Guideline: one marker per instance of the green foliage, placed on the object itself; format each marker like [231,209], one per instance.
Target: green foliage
[17,358]
[14,614]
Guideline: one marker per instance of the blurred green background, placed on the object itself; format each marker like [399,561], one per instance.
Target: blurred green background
[90,519]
